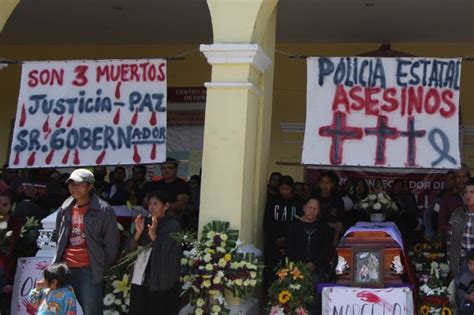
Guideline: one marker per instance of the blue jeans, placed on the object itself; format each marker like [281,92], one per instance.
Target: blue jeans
[90,296]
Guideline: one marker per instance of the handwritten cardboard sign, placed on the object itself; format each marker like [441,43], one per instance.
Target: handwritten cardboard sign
[342,301]
[382,112]
[29,270]
[103,112]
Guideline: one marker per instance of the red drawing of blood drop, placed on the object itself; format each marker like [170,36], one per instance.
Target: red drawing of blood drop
[23,116]
[153,152]
[59,122]
[136,156]
[49,157]
[135,117]
[76,160]
[69,123]
[46,128]
[17,158]
[65,157]
[46,125]
[117,90]
[117,117]
[31,159]
[100,158]
[153,119]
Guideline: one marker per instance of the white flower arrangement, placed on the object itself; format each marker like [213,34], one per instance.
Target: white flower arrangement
[380,202]
[213,265]
[118,284]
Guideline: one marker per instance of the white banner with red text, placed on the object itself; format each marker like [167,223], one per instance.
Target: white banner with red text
[366,301]
[93,112]
[382,112]
[29,270]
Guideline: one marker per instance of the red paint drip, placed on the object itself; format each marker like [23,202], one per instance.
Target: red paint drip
[117,90]
[31,159]
[49,157]
[117,117]
[17,158]
[135,117]
[69,123]
[59,122]
[136,156]
[46,125]
[153,119]
[23,116]
[368,297]
[76,160]
[153,152]
[46,128]
[100,158]
[65,157]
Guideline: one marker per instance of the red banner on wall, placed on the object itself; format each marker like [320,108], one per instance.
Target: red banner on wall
[424,185]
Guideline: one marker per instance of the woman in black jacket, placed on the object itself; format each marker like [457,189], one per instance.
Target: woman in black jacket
[308,239]
[155,277]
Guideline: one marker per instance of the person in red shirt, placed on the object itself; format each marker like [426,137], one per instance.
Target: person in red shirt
[87,240]
[75,254]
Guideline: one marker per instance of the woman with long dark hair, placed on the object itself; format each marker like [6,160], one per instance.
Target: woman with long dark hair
[361,190]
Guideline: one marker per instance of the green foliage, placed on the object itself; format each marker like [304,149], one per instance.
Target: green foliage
[293,291]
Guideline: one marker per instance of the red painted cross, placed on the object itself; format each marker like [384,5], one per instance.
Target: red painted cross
[411,135]
[382,132]
[339,131]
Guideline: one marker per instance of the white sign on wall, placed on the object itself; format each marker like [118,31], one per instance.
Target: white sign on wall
[28,271]
[94,112]
[365,301]
[383,112]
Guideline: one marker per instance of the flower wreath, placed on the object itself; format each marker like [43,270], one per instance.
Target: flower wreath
[292,292]
[213,264]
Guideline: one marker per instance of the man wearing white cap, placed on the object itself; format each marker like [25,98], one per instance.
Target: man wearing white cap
[87,240]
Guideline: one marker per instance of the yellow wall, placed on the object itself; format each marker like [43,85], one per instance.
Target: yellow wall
[289,96]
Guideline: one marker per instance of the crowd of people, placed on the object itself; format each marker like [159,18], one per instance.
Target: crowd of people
[303,222]
[87,235]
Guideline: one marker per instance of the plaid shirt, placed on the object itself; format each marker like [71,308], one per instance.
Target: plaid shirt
[468,236]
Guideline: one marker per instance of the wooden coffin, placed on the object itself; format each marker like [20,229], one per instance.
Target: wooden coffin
[359,243]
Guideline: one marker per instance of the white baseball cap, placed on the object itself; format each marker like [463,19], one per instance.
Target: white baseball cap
[81,175]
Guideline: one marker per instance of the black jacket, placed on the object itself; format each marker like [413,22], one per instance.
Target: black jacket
[332,208]
[164,264]
[308,242]
[278,214]
[102,234]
